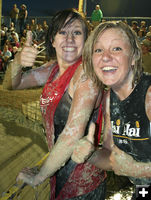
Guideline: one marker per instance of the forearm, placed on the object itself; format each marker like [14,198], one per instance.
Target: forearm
[139,170]
[100,158]
[125,165]
[12,76]
[144,170]
[57,158]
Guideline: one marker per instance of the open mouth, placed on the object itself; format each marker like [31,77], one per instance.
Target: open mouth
[69,49]
[109,69]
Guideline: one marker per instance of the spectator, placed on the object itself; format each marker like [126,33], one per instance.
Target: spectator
[15,50]
[142,33]
[9,44]
[14,40]
[6,56]
[125,21]
[146,57]
[1,62]
[14,15]
[40,34]
[33,25]
[4,27]
[96,16]
[134,26]
[12,27]
[143,25]
[23,14]
[13,37]
[24,33]
[149,29]
[147,40]
[90,25]
[22,42]
[3,39]
[45,25]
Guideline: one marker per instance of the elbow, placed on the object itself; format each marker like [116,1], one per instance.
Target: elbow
[6,85]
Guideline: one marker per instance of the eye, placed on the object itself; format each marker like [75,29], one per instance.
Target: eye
[97,50]
[117,49]
[62,32]
[77,33]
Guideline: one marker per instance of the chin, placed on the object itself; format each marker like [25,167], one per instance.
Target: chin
[109,84]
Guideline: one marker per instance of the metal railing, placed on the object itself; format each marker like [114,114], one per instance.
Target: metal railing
[40,19]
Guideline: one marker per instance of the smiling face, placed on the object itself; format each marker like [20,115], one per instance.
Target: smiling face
[69,43]
[112,58]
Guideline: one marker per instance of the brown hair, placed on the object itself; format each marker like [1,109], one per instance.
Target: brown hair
[59,21]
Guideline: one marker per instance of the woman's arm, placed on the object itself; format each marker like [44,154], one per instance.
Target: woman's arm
[101,157]
[124,164]
[110,157]
[15,78]
[23,80]
[84,148]
[84,99]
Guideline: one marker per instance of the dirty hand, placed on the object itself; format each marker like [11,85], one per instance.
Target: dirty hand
[28,176]
[28,54]
[85,146]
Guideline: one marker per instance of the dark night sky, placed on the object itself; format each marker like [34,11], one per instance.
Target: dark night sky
[110,8]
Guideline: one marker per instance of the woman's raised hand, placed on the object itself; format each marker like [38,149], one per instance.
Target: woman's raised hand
[28,53]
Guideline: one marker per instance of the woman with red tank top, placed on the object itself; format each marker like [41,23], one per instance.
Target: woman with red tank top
[68,103]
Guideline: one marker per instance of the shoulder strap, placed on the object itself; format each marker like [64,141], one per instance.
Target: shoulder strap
[99,120]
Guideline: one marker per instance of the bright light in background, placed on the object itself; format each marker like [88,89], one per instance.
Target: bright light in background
[117,196]
[121,196]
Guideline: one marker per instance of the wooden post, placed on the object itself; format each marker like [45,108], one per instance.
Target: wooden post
[82,7]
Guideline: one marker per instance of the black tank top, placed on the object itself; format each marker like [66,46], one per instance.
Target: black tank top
[130,125]
[62,112]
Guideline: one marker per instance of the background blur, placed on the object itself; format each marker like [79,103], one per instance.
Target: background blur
[119,8]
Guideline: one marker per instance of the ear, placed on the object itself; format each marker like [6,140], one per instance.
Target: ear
[53,43]
[133,60]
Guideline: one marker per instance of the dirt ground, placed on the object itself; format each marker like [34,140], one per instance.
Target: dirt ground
[22,143]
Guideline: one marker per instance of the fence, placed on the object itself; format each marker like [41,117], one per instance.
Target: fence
[40,19]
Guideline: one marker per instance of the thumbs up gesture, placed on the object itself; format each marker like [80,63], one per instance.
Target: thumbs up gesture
[85,146]
[28,54]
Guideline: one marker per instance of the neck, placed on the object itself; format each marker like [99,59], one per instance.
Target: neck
[63,66]
[124,89]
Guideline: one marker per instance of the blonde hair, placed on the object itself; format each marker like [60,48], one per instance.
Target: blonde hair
[134,42]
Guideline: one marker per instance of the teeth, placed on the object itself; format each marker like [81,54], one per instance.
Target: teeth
[109,68]
[69,48]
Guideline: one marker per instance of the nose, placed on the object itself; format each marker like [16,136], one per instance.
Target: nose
[106,56]
[70,37]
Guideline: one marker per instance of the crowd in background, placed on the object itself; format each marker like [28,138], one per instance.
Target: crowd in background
[144,34]
[14,35]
